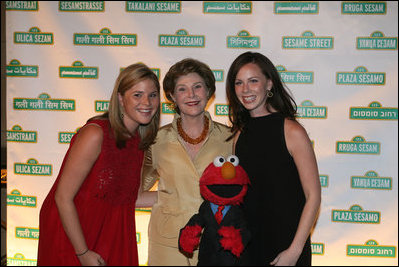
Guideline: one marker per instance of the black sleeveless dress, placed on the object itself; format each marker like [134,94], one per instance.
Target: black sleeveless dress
[275,199]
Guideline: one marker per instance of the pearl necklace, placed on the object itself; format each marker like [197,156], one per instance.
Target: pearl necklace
[188,139]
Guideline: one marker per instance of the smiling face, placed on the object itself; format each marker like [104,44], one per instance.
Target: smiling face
[190,95]
[224,182]
[250,87]
[139,103]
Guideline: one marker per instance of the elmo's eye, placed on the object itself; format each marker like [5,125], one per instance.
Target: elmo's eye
[233,159]
[218,161]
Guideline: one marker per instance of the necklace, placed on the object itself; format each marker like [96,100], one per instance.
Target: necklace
[187,138]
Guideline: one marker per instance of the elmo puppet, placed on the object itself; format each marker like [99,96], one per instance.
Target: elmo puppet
[223,185]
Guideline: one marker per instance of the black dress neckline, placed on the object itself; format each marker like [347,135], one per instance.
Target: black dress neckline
[264,117]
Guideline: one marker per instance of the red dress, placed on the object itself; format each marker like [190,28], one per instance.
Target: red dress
[105,204]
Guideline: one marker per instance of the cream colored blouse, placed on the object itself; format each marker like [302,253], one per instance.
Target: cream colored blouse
[178,188]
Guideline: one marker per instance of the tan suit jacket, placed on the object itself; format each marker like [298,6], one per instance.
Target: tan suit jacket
[178,188]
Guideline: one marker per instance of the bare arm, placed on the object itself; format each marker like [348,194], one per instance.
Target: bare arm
[300,148]
[82,155]
[149,175]
[146,199]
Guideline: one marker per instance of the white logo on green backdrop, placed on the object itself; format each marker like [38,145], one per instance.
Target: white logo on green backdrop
[167,108]
[22,5]
[105,37]
[317,248]
[157,72]
[34,36]
[44,102]
[323,180]
[227,7]
[363,8]
[308,40]
[154,6]
[32,167]
[374,111]
[360,76]
[377,41]
[219,74]
[358,145]
[20,260]
[15,69]
[27,233]
[371,180]
[243,40]
[181,39]
[296,7]
[307,110]
[101,105]
[355,214]
[65,137]
[221,109]
[18,135]
[371,249]
[17,199]
[300,77]
[78,70]
[81,6]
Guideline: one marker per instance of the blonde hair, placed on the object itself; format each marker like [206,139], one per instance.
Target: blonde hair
[127,78]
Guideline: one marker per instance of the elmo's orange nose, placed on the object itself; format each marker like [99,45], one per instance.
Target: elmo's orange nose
[228,170]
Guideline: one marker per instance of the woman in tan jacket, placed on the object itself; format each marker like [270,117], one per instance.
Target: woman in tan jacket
[182,151]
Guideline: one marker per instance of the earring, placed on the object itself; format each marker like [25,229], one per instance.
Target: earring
[122,115]
[269,93]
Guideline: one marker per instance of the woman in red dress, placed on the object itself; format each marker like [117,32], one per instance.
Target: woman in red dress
[88,216]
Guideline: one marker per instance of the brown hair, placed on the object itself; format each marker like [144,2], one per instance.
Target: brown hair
[184,67]
[281,101]
[127,78]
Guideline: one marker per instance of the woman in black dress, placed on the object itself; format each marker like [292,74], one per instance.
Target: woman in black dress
[285,194]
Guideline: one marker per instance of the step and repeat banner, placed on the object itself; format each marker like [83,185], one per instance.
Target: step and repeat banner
[338,58]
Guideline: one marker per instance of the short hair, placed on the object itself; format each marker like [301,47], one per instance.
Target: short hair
[184,67]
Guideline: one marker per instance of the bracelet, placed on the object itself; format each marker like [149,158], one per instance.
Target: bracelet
[81,254]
